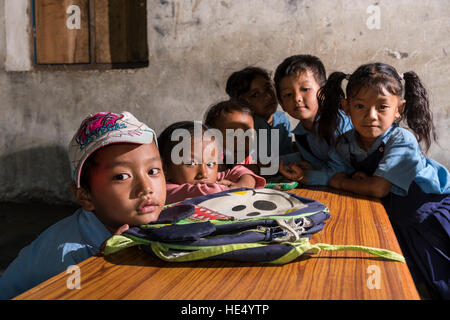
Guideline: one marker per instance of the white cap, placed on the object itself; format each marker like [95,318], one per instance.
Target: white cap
[102,129]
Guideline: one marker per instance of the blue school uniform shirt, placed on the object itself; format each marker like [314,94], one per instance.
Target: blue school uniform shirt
[402,163]
[280,122]
[314,148]
[66,243]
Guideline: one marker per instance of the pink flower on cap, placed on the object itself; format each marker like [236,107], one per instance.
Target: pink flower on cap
[91,127]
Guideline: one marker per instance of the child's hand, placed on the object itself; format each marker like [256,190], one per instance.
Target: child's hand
[225,182]
[121,230]
[246,181]
[359,176]
[118,232]
[292,171]
[337,179]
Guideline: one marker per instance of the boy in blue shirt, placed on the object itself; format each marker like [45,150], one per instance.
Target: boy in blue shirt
[118,181]
[297,82]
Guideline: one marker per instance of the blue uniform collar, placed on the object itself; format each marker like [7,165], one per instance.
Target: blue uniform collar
[276,119]
[354,136]
[300,129]
[344,124]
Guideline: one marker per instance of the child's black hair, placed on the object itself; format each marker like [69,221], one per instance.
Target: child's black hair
[165,143]
[239,82]
[300,62]
[85,176]
[215,112]
[382,76]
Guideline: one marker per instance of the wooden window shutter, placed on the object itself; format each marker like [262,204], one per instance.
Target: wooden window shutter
[90,34]
[121,31]
[62,31]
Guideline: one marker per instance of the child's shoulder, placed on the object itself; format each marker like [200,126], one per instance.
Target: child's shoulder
[344,123]
[81,229]
[61,228]
[300,129]
[65,243]
[347,137]
[280,115]
[401,136]
[282,122]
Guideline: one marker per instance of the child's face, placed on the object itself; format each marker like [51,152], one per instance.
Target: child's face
[202,167]
[262,97]
[127,185]
[298,94]
[372,113]
[236,120]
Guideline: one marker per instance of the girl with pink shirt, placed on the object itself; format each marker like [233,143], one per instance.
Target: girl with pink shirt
[195,173]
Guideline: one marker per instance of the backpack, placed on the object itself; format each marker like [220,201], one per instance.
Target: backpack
[246,225]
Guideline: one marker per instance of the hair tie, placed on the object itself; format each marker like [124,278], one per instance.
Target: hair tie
[400,76]
[347,76]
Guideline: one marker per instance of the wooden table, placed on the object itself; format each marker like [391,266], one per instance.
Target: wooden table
[132,274]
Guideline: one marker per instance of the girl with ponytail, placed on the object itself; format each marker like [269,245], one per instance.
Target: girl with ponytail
[379,158]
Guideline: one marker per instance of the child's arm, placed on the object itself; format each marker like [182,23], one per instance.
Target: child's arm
[241,177]
[246,181]
[304,171]
[335,164]
[292,171]
[116,232]
[397,169]
[362,184]
[180,192]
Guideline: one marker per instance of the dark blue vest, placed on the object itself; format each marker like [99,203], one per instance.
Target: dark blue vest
[421,223]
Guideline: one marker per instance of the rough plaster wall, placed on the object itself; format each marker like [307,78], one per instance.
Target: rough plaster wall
[194,45]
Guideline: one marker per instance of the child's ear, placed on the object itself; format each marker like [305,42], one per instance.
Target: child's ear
[83,197]
[400,108]
[345,106]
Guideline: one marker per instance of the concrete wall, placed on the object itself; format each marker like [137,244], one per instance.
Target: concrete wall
[194,45]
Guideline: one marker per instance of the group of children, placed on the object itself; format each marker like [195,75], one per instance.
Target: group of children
[124,174]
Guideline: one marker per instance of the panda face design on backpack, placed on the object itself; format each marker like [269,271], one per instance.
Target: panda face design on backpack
[253,203]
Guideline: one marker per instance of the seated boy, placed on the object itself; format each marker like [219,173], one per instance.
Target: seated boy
[297,82]
[118,181]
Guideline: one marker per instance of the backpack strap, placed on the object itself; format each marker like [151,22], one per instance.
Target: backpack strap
[302,246]
[181,253]
[383,253]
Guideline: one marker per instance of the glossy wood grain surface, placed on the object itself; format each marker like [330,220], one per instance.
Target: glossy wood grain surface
[132,274]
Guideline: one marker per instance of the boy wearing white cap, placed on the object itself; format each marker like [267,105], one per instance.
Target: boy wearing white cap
[118,181]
